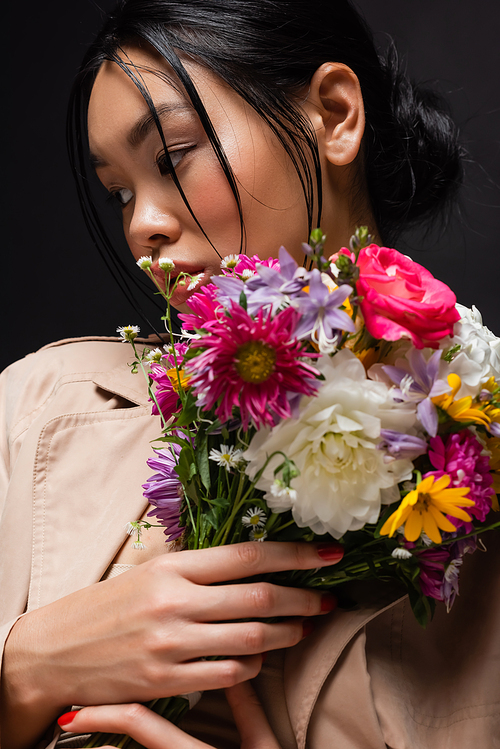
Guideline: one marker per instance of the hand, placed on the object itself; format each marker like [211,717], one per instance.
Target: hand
[154,732]
[139,636]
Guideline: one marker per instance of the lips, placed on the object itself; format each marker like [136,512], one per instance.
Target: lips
[181,293]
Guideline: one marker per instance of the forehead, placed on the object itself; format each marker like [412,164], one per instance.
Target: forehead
[116,103]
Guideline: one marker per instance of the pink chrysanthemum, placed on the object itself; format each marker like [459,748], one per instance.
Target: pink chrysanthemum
[166,392]
[206,309]
[251,263]
[460,455]
[252,364]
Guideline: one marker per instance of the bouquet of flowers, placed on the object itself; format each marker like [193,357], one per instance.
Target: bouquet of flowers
[353,398]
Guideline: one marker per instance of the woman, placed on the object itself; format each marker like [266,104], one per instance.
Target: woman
[218,127]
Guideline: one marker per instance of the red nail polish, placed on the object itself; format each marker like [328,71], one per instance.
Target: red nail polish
[328,602]
[67,718]
[330,552]
[307,627]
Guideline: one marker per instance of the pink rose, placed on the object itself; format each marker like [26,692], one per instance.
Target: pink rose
[401,299]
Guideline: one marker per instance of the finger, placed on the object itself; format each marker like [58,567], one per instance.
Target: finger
[247,559]
[257,601]
[243,638]
[146,727]
[250,718]
[205,674]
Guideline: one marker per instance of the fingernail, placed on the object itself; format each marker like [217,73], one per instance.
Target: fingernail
[67,718]
[328,602]
[307,627]
[330,552]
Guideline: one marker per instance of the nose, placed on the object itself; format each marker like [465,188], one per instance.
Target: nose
[152,223]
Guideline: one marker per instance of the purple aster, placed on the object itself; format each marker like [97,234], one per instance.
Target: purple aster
[460,455]
[270,287]
[321,318]
[401,446]
[164,491]
[418,384]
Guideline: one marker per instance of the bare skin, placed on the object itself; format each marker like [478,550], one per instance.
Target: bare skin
[154,732]
[107,644]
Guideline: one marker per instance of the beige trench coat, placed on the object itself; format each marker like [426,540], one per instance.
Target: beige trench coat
[75,436]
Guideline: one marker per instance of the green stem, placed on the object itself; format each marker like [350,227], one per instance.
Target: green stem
[238,502]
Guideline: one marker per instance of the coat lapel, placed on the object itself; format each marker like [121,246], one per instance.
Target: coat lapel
[89,468]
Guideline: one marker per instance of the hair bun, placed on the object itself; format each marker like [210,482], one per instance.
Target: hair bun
[416,166]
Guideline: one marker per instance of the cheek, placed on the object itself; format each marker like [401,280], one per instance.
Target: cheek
[273,203]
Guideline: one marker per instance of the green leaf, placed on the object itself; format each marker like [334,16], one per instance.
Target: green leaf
[217,501]
[201,457]
[422,606]
[189,412]
[186,468]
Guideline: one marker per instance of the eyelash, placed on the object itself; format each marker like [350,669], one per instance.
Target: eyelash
[163,167]
[175,156]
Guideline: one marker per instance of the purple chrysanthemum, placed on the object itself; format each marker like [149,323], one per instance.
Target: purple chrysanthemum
[460,455]
[164,491]
[440,570]
[252,364]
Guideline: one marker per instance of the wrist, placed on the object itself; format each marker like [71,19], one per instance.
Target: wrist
[27,705]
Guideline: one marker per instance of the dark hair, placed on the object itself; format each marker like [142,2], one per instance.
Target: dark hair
[267,51]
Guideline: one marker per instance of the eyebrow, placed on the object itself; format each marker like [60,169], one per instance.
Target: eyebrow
[142,128]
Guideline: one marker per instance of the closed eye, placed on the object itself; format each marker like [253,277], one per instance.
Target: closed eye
[164,167]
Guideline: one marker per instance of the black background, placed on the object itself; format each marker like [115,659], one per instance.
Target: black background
[54,284]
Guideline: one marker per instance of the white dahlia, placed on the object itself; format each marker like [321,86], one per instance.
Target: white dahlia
[344,476]
[478,358]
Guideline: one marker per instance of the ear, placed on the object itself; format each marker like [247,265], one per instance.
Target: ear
[335,106]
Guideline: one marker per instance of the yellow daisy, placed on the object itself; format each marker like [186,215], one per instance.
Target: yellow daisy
[174,379]
[425,509]
[462,409]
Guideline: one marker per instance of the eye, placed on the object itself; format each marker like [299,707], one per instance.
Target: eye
[175,157]
[123,196]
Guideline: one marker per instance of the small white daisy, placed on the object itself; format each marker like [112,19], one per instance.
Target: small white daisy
[145,262]
[258,534]
[166,264]
[279,489]
[195,281]
[254,518]
[248,273]
[227,457]
[139,545]
[128,332]
[229,262]
[400,553]
[155,355]
[131,529]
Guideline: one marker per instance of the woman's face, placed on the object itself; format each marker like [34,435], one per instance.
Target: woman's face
[127,152]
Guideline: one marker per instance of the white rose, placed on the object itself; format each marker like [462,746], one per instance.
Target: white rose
[344,478]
